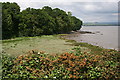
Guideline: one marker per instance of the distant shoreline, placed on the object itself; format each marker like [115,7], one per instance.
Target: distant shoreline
[99,36]
[100,25]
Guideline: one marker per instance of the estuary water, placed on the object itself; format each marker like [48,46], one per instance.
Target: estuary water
[104,36]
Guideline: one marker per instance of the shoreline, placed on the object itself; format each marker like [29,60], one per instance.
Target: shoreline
[73,34]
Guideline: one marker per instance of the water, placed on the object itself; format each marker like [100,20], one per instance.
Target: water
[105,36]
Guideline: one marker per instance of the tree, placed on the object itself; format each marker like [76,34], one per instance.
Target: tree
[0,21]
[47,22]
[36,22]
[29,25]
[77,23]
[10,20]
[48,10]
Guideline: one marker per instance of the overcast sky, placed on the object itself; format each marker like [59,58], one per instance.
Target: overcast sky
[86,10]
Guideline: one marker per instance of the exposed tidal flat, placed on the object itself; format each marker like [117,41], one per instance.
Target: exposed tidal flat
[103,36]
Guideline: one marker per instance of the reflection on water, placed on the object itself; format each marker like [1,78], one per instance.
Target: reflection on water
[105,36]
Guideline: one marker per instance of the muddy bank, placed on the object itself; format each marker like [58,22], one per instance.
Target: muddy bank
[76,33]
[105,37]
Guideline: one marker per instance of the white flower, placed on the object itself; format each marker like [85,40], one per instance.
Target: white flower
[37,60]
[38,52]
[46,76]
[54,77]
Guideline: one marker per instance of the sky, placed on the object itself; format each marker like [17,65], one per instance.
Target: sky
[86,10]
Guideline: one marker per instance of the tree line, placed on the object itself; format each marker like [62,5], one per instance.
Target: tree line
[36,22]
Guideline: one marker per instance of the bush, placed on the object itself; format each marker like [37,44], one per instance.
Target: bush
[67,65]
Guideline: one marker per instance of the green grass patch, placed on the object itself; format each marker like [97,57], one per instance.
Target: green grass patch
[15,39]
[48,43]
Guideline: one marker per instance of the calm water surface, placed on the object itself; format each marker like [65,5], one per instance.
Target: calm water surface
[105,36]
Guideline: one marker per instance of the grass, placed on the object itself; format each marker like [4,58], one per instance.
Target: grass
[50,44]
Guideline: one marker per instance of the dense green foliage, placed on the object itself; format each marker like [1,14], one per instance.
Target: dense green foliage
[10,20]
[36,22]
[0,39]
[75,64]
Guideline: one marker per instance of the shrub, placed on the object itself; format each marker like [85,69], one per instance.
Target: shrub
[67,65]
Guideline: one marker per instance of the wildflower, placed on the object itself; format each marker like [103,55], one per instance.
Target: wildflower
[38,52]
[21,62]
[20,57]
[95,60]
[68,69]
[77,68]
[48,59]
[71,76]
[85,59]
[66,53]
[72,65]
[34,71]
[74,70]
[54,77]
[37,60]
[64,57]
[97,56]
[27,68]
[46,76]
[74,76]
[26,58]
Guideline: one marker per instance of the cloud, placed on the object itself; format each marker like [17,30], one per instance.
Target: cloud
[86,10]
[60,1]
[95,11]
